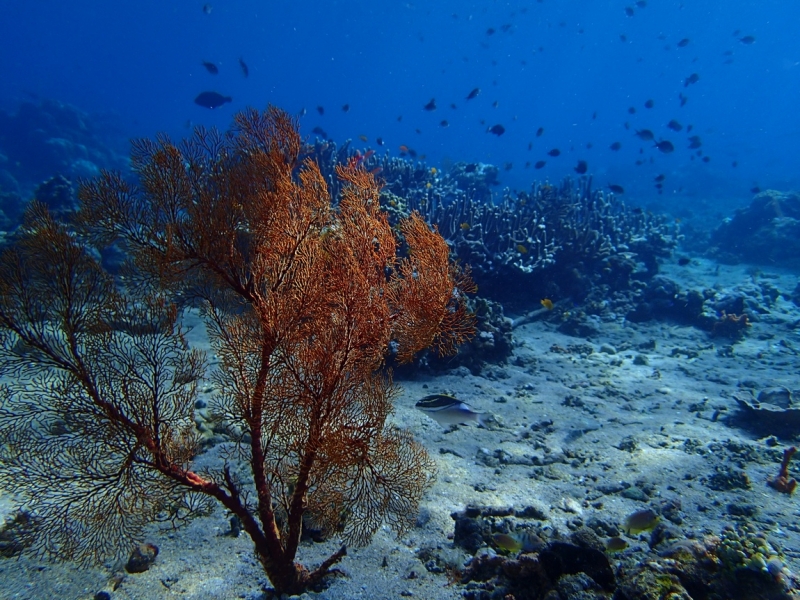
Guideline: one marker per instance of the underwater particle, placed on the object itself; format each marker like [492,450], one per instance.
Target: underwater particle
[748,39]
[683,43]
[615,544]
[430,105]
[321,110]
[211,100]
[693,78]
[345,108]
[539,164]
[617,189]
[539,132]
[649,104]
[243,66]
[665,146]
[522,249]
[674,125]
[581,167]
[547,303]
[645,135]
[473,94]
[210,67]
[447,410]
[554,152]
[498,130]
[207,8]
[640,520]
[444,123]
[615,146]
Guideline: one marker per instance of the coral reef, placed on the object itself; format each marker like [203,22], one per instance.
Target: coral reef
[765,232]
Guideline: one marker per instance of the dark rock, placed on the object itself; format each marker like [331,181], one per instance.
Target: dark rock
[563,558]
[142,558]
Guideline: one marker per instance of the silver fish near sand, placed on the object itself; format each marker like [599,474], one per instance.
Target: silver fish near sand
[448,411]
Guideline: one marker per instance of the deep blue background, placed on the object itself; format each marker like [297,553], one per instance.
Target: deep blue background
[558,63]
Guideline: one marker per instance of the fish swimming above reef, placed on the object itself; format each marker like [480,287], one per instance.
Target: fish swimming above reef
[245,70]
[665,146]
[639,521]
[617,189]
[496,129]
[674,125]
[645,135]
[615,146]
[473,94]
[210,67]
[581,168]
[693,78]
[211,100]
[447,410]
[430,105]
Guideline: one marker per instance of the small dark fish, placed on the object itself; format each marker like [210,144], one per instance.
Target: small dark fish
[444,123]
[539,132]
[693,78]
[379,141]
[645,134]
[615,146]
[495,104]
[321,110]
[748,39]
[320,132]
[430,105]
[508,166]
[346,108]
[684,260]
[649,104]
[665,146]
[582,167]
[539,164]
[674,125]
[706,159]
[683,99]
[629,11]
[683,43]
[243,65]
[660,178]
[207,8]
[453,106]
[735,164]
[210,67]
[530,145]
[623,37]
[617,189]
[641,3]
[755,190]
[554,152]
[211,100]
[695,142]
[496,129]
[632,110]
[490,31]
[473,94]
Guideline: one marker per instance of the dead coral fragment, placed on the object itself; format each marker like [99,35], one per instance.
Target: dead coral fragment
[782,483]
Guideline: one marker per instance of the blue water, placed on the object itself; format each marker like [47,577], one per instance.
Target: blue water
[557,64]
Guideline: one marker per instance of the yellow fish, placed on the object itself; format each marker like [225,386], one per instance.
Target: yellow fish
[465,226]
[522,249]
[547,303]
